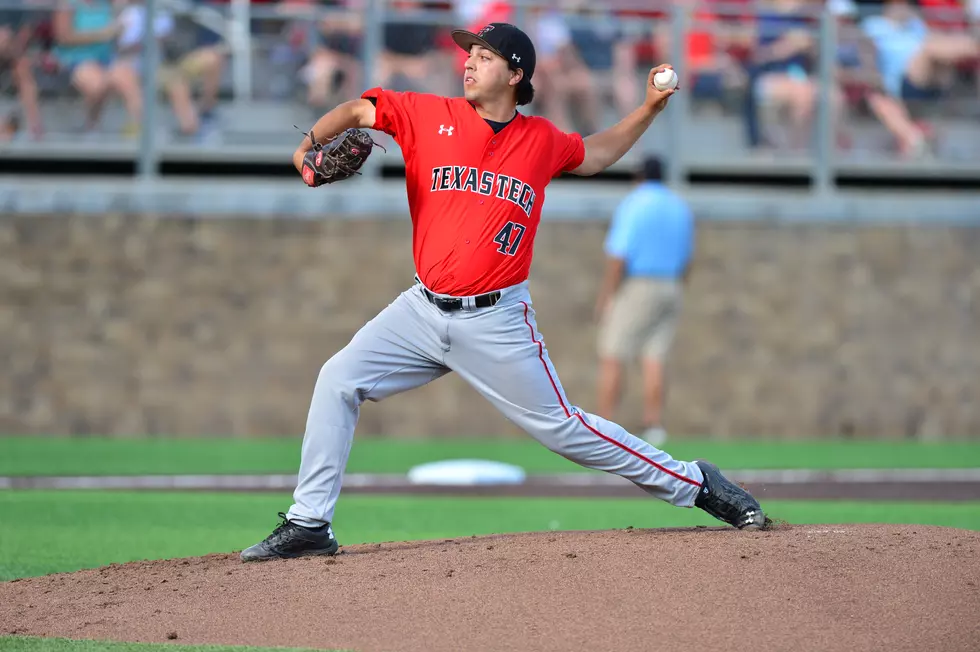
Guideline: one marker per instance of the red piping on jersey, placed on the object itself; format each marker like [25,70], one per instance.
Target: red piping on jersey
[595,432]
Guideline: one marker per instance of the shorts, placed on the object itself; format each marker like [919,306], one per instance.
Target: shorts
[189,67]
[911,92]
[595,48]
[642,320]
[342,42]
[103,61]
[206,38]
[409,39]
[708,85]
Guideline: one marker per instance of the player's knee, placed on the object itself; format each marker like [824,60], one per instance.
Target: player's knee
[557,435]
[335,380]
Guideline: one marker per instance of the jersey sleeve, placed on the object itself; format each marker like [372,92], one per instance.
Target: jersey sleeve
[568,151]
[395,113]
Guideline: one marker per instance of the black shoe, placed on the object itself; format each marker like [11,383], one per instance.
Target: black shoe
[726,501]
[290,540]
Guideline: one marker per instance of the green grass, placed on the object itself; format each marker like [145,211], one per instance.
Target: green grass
[32,644]
[97,456]
[54,531]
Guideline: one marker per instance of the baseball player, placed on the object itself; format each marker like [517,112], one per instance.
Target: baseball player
[476,171]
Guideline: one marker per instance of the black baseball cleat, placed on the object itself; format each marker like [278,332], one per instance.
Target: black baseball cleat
[291,540]
[726,501]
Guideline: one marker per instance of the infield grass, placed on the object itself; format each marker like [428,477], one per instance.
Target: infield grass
[34,644]
[104,456]
[45,532]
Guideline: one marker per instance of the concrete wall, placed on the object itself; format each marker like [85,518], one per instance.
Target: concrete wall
[126,326]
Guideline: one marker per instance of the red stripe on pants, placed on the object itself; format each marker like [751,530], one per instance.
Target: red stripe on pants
[564,407]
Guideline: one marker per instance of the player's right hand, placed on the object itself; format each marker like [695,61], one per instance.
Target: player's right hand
[656,100]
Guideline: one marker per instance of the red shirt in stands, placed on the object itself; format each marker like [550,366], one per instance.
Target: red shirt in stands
[944,14]
[474,196]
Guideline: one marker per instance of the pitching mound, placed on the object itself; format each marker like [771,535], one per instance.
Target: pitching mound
[826,587]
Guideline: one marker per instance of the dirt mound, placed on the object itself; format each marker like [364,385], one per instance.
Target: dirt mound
[824,587]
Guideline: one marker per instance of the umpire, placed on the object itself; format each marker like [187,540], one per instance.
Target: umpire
[648,250]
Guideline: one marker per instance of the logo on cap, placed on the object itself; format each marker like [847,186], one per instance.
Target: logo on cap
[515,58]
[486,30]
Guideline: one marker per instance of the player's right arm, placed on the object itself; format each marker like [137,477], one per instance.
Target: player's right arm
[355,114]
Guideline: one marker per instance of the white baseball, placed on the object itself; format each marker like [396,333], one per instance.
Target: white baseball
[665,80]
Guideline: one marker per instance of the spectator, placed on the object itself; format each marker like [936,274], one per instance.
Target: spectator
[550,37]
[16,28]
[911,58]
[779,70]
[197,55]
[648,251]
[712,72]
[130,53]
[475,14]
[290,38]
[858,73]
[337,55]
[408,59]
[561,77]
[607,51]
[85,32]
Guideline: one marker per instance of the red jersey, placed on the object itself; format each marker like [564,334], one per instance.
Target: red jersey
[475,196]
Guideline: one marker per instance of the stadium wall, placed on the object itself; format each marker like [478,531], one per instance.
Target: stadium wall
[133,326]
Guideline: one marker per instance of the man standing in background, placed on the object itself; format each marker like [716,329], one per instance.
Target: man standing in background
[648,250]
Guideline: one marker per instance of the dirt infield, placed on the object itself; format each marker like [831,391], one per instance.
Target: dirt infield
[826,587]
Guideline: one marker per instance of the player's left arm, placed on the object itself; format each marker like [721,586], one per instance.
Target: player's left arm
[353,114]
[608,146]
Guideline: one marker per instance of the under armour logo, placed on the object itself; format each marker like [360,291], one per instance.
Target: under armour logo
[515,58]
[443,129]
[486,30]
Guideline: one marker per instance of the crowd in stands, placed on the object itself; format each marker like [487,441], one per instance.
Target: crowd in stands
[94,48]
[754,59]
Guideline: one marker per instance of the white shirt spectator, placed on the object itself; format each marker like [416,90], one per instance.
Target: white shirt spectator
[552,34]
[133,18]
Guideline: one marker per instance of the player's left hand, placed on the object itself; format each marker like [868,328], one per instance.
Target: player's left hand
[656,100]
[340,158]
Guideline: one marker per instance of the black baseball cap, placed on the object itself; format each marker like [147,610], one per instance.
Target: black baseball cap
[505,40]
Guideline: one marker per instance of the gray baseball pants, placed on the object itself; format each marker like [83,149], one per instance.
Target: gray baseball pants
[499,351]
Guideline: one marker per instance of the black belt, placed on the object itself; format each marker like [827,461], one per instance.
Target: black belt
[447,304]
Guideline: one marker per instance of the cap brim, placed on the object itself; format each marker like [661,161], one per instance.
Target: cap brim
[467,40]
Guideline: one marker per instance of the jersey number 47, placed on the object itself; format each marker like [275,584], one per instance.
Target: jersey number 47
[509,238]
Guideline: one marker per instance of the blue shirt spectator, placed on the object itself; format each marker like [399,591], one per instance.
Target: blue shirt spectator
[89,18]
[896,44]
[648,251]
[652,231]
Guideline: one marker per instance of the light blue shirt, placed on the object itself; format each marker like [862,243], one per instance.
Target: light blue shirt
[652,231]
[896,45]
[88,16]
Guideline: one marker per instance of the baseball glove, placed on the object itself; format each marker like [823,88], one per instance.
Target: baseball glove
[339,158]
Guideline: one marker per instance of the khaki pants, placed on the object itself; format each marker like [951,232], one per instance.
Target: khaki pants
[641,320]
[191,66]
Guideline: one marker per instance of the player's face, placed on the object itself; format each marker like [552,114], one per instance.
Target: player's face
[486,75]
